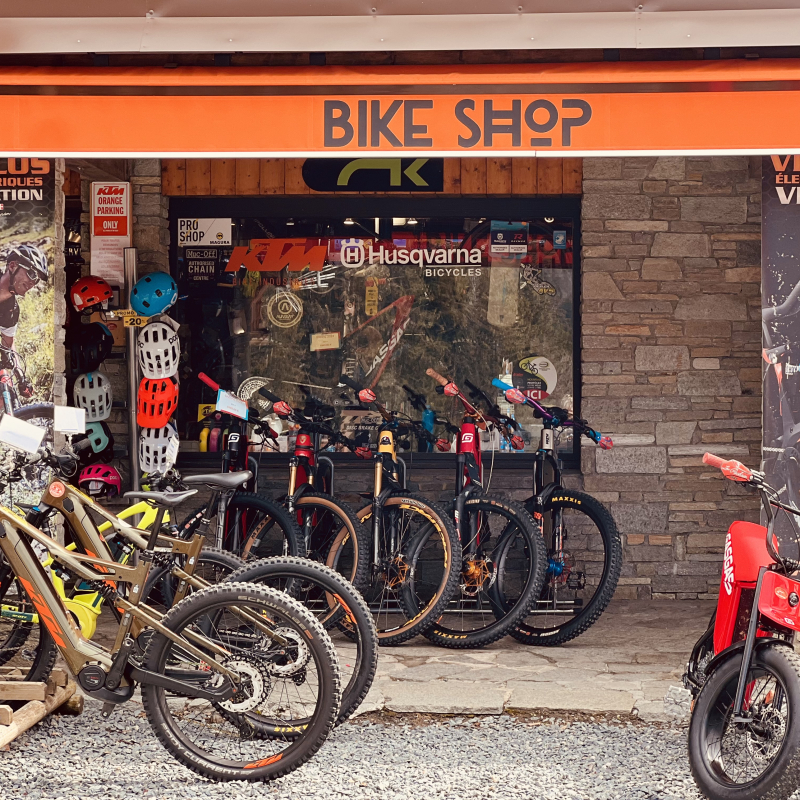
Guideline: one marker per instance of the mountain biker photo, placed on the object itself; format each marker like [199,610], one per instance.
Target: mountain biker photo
[26,266]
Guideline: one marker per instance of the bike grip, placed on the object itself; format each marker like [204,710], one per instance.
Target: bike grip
[437,377]
[208,382]
[346,380]
[713,461]
[264,392]
[605,442]
[498,384]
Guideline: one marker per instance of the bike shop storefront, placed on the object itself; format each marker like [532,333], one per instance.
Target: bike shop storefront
[668,229]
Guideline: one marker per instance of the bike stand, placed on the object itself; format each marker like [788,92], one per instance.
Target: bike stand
[42,699]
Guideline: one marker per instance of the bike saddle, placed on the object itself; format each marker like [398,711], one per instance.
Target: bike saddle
[168,499]
[224,481]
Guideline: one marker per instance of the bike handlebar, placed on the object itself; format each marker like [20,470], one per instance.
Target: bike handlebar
[733,470]
[437,377]
[271,396]
[208,382]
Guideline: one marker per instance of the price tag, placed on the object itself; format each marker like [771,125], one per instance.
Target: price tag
[69,420]
[172,450]
[125,312]
[21,435]
[135,322]
[230,404]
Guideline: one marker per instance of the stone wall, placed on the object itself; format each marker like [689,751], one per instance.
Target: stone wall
[671,357]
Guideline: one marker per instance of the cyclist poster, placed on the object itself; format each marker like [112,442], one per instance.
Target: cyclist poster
[27,255]
[780,280]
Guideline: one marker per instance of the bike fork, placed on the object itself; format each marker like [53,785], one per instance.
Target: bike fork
[747,655]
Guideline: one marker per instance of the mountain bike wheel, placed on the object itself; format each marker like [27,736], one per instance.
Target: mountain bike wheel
[213,566]
[499,581]
[581,580]
[324,520]
[252,518]
[24,642]
[407,599]
[759,758]
[335,602]
[280,683]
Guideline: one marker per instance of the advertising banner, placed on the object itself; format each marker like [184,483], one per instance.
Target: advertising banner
[111,230]
[27,254]
[780,280]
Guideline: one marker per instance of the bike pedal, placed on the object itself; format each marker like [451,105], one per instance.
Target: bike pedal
[107,709]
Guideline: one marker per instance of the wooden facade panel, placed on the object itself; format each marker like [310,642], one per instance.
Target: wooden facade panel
[473,176]
[573,176]
[247,176]
[272,176]
[173,177]
[549,175]
[498,176]
[198,176]
[294,183]
[452,176]
[523,176]
[72,183]
[223,176]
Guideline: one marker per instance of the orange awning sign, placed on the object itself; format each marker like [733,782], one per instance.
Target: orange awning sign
[542,109]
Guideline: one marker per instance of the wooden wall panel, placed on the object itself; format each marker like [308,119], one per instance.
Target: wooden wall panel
[294,183]
[173,176]
[198,176]
[452,176]
[269,176]
[549,175]
[523,176]
[573,176]
[473,176]
[247,176]
[272,176]
[498,176]
[223,176]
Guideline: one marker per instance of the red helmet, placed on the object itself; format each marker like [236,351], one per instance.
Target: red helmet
[100,480]
[89,291]
[157,400]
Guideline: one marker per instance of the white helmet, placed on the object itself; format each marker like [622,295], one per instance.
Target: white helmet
[153,444]
[159,350]
[93,392]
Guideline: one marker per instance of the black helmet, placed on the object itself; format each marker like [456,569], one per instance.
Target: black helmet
[31,259]
[90,347]
[94,446]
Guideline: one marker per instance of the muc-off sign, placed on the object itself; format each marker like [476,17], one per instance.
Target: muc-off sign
[508,123]
[374,174]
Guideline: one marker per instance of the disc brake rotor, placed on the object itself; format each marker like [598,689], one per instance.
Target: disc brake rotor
[296,657]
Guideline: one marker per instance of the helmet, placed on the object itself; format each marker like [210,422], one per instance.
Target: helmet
[97,444]
[153,294]
[88,292]
[31,259]
[159,350]
[93,392]
[91,347]
[100,481]
[153,448]
[157,400]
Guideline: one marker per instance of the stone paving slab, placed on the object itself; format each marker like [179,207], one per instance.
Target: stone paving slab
[625,663]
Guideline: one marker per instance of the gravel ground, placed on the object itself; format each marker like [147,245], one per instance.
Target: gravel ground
[88,758]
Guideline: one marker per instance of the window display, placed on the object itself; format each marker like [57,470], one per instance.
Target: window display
[297,302]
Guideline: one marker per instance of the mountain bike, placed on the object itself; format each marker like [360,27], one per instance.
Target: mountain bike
[219,658]
[322,518]
[414,547]
[744,674]
[503,555]
[330,597]
[584,550]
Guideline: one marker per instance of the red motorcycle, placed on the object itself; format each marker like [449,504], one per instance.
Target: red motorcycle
[744,675]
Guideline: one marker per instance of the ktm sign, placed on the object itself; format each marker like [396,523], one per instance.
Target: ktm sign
[273,255]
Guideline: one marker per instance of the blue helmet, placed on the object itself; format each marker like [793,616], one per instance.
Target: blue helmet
[154,294]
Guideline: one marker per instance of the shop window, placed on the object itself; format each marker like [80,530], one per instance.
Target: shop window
[297,301]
